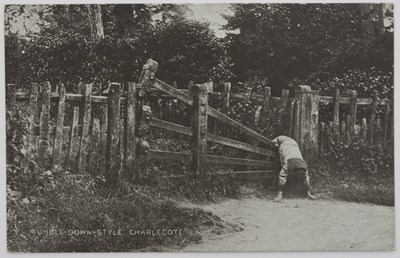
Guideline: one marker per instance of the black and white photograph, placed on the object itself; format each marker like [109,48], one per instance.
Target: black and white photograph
[199,127]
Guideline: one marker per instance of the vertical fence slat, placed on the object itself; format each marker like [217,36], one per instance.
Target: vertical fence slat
[58,139]
[113,150]
[353,112]
[248,94]
[373,116]
[43,148]
[386,123]
[322,139]
[73,147]
[292,107]
[314,121]
[227,96]
[104,128]
[343,130]
[378,130]
[265,107]
[363,131]
[85,139]
[29,143]
[199,144]
[336,109]
[130,124]
[95,142]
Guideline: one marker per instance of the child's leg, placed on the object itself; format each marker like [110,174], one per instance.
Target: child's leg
[308,185]
[281,184]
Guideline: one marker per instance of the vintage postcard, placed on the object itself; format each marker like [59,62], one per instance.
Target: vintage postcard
[191,127]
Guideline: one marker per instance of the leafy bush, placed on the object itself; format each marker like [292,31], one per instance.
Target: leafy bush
[357,171]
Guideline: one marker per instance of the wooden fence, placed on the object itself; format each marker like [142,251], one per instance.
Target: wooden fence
[115,139]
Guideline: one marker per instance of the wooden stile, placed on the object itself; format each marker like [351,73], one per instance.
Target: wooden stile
[322,139]
[86,120]
[43,148]
[58,139]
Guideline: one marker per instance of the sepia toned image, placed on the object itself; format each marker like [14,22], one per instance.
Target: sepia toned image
[224,127]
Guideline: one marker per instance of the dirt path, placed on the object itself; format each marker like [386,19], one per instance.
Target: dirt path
[300,225]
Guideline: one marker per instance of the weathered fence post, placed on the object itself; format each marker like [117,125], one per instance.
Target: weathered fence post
[199,144]
[104,128]
[227,96]
[386,123]
[363,131]
[29,143]
[373,116]
[143,116]
[314,122]
[113,155]
[130,125]
[265,106]
[85,139]
[336,105]
[43,148]
[58,139]
[302,126]
[353,113]
[73,147]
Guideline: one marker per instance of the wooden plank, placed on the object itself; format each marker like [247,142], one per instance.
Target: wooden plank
[227,120]
[379,131]
[343,130]
[29,142]
[104,129]
[73,148]
[386,123]
[199,142]
[171,126]
[285,99]
[227,94]
[160,85]
[372,120]
[43,148]
[353,113]
[336,105]
[130,125]
[322,139]
[86,120]
[169,155]
[292,110]
[270,172]
[113,154]
[314,121]
[95,145]
[363,131]
[239,161]
[240,145]
[58,138]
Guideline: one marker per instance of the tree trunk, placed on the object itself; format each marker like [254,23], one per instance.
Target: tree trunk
[95,21]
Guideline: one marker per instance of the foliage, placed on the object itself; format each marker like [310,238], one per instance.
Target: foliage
[76,203]
[365,81]
[357,171]
[185,49]
[285,43]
